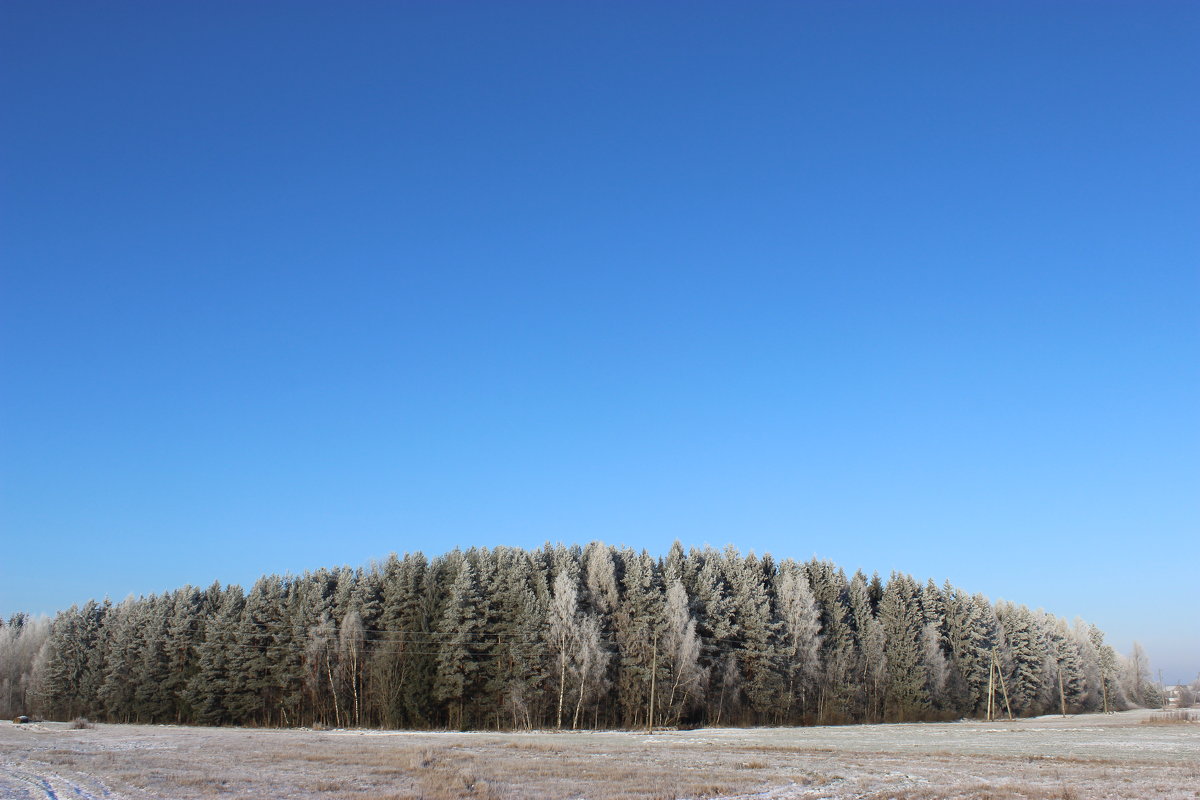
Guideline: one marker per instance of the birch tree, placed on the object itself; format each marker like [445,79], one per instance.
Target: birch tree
[563,632]
[681,652]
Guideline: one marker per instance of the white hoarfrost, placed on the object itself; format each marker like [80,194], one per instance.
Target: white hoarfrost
[1136,754]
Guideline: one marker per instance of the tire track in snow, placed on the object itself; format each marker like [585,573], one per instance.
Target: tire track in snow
[52,787]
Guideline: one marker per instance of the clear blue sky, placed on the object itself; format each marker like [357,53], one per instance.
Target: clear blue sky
[907,285]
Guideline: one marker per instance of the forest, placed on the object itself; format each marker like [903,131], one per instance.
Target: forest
[560,637]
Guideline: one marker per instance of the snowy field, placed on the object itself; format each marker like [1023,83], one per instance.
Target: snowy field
[1083,757]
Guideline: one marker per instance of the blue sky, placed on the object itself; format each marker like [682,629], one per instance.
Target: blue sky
[904,285]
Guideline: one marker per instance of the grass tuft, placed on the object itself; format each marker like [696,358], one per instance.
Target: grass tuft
[1182,717]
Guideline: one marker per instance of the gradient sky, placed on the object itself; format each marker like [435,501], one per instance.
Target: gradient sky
[907,286]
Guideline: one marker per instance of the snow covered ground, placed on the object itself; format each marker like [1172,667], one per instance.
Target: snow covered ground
[1083,758]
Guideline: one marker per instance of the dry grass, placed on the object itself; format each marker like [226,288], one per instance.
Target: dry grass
[1181,717]
[920,762]
[1015,791]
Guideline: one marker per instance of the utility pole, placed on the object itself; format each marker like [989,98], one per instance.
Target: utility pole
[1062,697]
[653,673]
[1003,688]
[991,687]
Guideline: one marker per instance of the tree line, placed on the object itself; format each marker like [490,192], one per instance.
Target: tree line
[595,636]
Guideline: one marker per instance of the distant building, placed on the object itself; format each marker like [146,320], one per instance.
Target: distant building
[1177,697]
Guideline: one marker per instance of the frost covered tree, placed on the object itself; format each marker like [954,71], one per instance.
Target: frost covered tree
[595,636]
[351,661]
[460,641]
[212,686]
[402,665]
[563,633]
[75,667]
[831,592]
[1066,664]
[124,628]
[905,696]
[519,620]
[637,621]
[1026,668]
[800,630]
[589,663]
[871,646]
[970,632]
[151,677]
[681,653]
[761,680]
[936,666]
[1136,681]
[716,626]
[22,650]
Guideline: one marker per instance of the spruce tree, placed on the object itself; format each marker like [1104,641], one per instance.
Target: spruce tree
[905,696]
[762,681]
[830,590]
[459,645]
[1026,669]
[638,621]
[800,625]
[871,648]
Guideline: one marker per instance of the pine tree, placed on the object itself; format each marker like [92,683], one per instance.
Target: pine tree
[152,668]
[402,665]
[211,686]
[125,627]
[514,638]
[260,640]
[184,634]
[75,666]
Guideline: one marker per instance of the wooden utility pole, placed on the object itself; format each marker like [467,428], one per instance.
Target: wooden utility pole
[991,688]
[653,673]
[1062,697]
[1003,688]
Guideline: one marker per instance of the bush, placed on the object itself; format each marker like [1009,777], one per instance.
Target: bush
[80,723]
